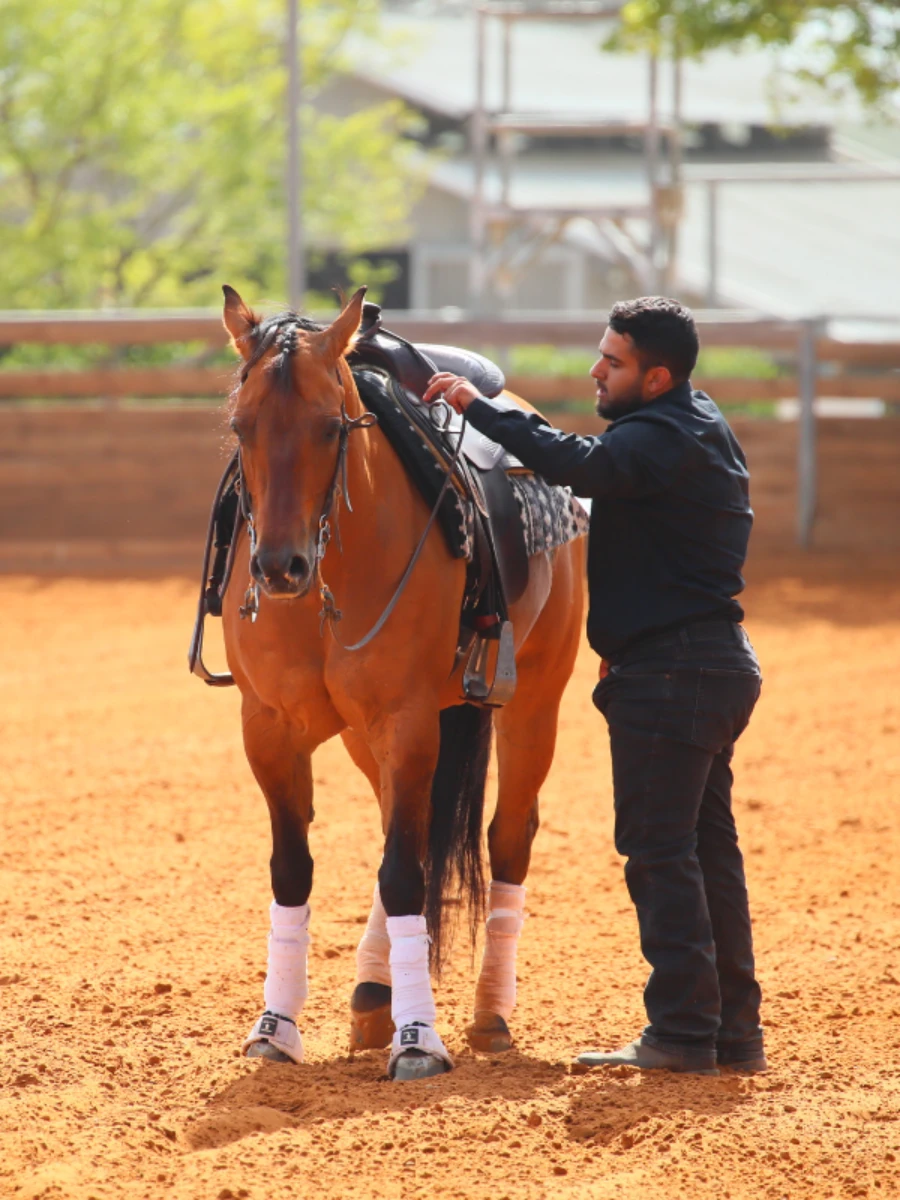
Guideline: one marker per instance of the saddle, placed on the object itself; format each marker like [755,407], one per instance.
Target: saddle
[479,514]
[495,547]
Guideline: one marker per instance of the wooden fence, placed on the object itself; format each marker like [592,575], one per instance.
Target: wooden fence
[840,475]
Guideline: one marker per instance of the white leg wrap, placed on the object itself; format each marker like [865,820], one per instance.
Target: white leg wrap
[286,985]
[412,1000]
[373,955]
[496,990]
[411,996]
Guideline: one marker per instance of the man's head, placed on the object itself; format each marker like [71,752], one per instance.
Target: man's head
[649,346]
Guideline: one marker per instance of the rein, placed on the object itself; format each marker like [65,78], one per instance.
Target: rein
[332,614]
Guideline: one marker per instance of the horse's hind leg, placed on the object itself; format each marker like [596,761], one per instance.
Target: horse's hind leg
[371,1023]
[283,771]
[526,739]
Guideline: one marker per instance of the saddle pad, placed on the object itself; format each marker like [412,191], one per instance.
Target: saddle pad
[551,516]
[455,516]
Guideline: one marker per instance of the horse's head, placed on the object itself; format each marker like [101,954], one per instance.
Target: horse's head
[287,414]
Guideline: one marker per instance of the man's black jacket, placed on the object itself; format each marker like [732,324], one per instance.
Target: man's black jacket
[670,518]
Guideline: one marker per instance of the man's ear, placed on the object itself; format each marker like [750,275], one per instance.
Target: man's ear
[240,321]
[658,380]
[337,339]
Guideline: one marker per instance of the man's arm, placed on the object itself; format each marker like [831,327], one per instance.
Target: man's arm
[582,463]
[632,460]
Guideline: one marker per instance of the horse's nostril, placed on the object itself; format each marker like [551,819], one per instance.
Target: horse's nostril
[299,567]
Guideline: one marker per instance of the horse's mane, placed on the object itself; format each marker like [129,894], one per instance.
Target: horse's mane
[279,331]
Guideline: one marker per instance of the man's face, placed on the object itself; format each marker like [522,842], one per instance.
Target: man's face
[623,382]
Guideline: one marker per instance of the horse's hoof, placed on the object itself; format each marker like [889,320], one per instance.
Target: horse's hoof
[489,1033]
[415,1064]
[266,1050]
[371,1030]
[371,1025]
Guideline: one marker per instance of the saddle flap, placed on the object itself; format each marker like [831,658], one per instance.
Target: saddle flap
[506,531]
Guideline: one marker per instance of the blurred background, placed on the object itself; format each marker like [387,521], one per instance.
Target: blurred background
[498,174]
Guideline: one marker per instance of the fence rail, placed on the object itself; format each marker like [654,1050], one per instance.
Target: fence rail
[822,365]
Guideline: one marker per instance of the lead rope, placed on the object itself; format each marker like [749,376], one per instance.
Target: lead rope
[330,614]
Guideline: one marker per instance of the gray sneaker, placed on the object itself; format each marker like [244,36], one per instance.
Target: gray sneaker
[646,1057]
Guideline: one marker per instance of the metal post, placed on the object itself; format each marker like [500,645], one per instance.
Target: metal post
[651,150]
[478,220]
[807,371]
[712,244]
[505,141]
[296,255]
[675,157]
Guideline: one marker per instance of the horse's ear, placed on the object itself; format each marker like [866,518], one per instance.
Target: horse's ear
[240,321]
[338,337]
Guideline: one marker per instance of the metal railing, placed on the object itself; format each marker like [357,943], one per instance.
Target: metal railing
[874,366]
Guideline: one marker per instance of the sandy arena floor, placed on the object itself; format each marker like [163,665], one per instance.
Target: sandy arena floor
[134,893]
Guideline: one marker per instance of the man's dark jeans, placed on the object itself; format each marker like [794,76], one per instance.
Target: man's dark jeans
[675,704]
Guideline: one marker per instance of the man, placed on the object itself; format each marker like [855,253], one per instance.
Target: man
[679,679]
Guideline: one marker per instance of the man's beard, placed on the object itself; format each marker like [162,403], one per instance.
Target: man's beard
[611,410]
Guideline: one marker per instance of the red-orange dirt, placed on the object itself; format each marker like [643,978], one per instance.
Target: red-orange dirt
[134,892]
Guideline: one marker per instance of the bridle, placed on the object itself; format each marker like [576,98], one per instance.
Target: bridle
[338,488]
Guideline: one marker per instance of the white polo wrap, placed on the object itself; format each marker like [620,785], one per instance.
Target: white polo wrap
[411,996]
[496,989]
[373,955]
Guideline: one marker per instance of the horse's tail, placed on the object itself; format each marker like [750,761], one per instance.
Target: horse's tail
[453,864]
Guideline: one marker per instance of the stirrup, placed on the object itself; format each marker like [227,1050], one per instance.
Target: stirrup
[503,684]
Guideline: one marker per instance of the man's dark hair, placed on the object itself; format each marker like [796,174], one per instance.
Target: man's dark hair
[663,333]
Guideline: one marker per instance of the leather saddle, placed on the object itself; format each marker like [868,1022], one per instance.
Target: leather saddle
[484,475]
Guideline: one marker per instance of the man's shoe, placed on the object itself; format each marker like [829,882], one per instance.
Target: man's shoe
[646,1057]
[746,1066]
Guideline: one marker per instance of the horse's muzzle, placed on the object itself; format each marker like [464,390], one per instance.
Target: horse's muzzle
[282,574]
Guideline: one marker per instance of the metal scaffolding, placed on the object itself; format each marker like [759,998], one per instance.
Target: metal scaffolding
[504,236]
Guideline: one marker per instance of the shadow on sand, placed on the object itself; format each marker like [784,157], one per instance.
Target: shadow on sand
[279,1095]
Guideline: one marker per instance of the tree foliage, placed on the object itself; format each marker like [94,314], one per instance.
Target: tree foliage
[841,45]
[142,150]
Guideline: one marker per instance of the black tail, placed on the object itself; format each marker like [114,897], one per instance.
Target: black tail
[454,865]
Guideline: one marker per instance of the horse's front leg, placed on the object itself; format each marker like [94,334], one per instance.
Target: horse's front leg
[408,755]
[283,770]
[371,1023]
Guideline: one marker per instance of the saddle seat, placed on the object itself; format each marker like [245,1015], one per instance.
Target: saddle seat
[413,364]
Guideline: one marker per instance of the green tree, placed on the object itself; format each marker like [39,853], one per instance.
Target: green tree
[839,44]
[142,150]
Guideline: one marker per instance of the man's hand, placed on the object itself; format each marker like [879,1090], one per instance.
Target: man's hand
[454,389]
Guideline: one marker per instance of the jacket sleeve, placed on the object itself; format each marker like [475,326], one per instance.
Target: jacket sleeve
[635,458]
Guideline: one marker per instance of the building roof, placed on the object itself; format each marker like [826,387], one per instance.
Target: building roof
[558,67]
[800,249]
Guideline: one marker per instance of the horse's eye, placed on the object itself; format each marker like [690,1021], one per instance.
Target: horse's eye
[331,432]
[235,429]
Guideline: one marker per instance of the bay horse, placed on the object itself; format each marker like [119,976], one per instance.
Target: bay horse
[307,444]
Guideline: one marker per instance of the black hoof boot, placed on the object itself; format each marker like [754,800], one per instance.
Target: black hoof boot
[371,1025]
